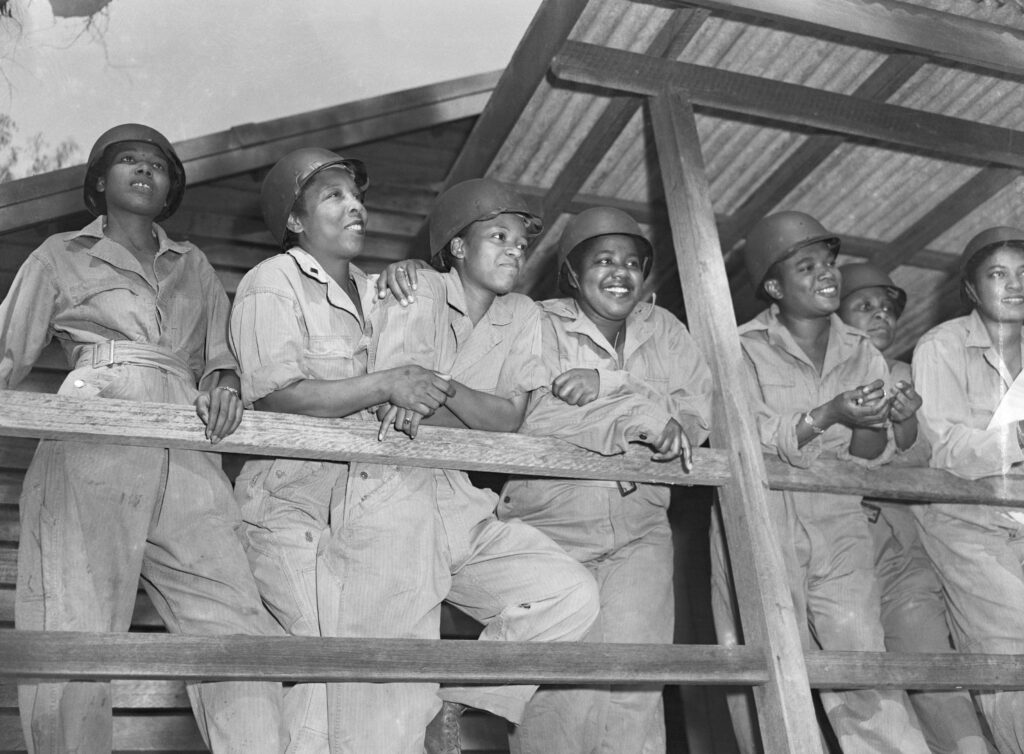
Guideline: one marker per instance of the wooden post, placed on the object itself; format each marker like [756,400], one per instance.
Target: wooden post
[785,709]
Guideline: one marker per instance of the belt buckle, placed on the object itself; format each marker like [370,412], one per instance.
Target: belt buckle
[99,362]
[626,488]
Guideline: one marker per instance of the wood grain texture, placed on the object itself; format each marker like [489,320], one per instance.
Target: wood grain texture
[52,195]
[888,23]
[785,709]
[670,41]
[55,654]
[32,415]
[953,138]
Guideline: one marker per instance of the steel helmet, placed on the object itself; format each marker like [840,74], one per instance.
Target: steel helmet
[595,222]
[777,237]
[1002,235]
[285,181]
[96,201]
[862,275]
[476,199]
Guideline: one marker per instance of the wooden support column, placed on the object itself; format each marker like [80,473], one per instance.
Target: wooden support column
[785,709]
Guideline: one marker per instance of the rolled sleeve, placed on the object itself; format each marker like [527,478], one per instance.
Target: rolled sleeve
[25,316]
[266,338]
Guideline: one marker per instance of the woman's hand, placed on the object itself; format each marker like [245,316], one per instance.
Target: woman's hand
[400,279]
[402,419]
[220,409]
[577,387]
[905,402]
[673,443]
[864,406]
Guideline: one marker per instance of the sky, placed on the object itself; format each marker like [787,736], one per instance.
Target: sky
[193,67]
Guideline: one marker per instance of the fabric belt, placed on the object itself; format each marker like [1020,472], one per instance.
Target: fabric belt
[113,352]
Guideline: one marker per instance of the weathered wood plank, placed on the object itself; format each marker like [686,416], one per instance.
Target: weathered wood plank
[177,733]
[670,41]
[282,435]
[240,149]
[785,708]
[28,415]
[159,732]
[900,670]
[883,82]
[55,654]
[528,66]
[547,31]
[953,138]
[894,24]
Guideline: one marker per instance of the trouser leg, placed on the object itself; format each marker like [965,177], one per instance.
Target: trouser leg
[637,606]
[383,573]
[844,608]
[980,570]
[198,577]
[85,510]
[285,518]
[914,620]
[522,587]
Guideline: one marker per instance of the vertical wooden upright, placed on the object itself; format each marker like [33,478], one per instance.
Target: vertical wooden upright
[785,710]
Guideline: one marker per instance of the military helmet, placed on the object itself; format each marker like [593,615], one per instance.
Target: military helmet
[779,236]
[866,275]
[96,166]
[1002,235]
[595,222]
[284,183]
[470,201]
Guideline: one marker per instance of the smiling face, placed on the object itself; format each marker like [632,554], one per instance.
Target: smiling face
[872,310]
[329,217]
[609,276]
[806,283]
[489,253]
[997,286]
[136,179]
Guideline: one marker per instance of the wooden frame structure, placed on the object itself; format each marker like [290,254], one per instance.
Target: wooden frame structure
[666,91]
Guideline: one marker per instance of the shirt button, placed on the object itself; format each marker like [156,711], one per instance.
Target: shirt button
[363,475]
[79,383]
[643,435]
[314,270]
[508,499]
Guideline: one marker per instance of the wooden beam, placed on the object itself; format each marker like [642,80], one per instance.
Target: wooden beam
[953,138]
[135,660]
[549,28]
[785,709]
[883,82]
[947,213]
[526,70]
[51,195]
[888,23]
[98,656]
[284,435]
[670,41]
[37,415]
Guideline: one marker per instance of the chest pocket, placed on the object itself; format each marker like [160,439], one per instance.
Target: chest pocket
[334,357]
[778,393]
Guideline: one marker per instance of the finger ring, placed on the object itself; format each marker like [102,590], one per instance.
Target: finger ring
[407,421]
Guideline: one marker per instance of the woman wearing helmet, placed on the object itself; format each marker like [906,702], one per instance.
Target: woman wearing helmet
[139,317]
[371,550]
[617,370]
[963,368]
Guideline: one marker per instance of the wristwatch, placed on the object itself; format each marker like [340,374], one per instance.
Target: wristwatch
[809,421]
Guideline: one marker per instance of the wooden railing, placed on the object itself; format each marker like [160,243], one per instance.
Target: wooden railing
[140,656]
